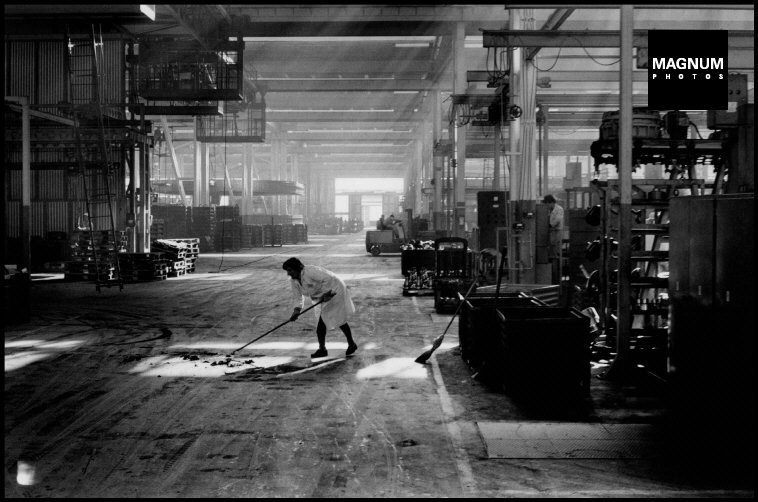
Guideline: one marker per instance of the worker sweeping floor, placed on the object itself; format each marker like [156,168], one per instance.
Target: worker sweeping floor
[143,393]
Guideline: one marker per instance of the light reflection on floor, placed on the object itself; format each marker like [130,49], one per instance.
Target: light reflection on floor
[357,277]
[394,367]
[26,475]
[21,359]
[37,350]
[211,277]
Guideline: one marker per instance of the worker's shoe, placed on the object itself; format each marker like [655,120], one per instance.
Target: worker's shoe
[351,348]
[320,353]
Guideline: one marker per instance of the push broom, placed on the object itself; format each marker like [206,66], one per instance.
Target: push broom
[438,341]
[275,328]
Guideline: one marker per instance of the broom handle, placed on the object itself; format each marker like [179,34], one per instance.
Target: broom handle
[458,308]
[277,327]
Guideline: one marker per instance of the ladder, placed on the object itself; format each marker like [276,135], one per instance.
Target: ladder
[84,60]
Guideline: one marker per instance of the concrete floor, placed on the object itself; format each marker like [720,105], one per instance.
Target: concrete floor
[104,397]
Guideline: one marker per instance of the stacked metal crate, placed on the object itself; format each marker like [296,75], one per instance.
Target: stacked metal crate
[289,234]
[479,330]
[301,233]
[272,235]
[418,265]
[246,236]
[169,222]
[142,267]
[256,236]
[542,354]
[204,227]
[158,229]
[84,244]
[228,228]
[453,274]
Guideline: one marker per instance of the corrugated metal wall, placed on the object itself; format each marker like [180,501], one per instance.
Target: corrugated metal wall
[19,72]
[57,216]
[50,185]
[13,218]
[37,69]
[51,72]
[46,216]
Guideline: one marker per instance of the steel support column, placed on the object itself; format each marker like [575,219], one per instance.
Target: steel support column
[622,362]
[496,157]
[459,87]
[174,159]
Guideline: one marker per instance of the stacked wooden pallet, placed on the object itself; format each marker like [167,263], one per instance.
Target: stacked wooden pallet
[182,253]
[140,267]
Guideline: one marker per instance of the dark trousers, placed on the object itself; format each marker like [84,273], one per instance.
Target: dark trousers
[321,333]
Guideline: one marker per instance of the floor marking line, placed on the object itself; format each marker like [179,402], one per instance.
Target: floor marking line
[465,473]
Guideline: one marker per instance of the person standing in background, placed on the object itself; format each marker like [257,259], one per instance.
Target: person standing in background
[556,235]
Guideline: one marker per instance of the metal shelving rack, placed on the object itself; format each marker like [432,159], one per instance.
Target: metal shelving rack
[649,279]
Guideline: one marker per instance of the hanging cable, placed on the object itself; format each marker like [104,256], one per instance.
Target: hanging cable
[592,58]
[557,57]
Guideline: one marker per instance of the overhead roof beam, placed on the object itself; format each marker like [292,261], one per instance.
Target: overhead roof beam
[348,137]
[567,76]
[554,22]
[742,39]
[320,117]
[362,13]
[345,85]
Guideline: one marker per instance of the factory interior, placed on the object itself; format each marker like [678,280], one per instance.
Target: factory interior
[552,281]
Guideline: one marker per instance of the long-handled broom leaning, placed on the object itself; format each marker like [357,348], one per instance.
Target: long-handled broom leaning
[277,327]
[438,341]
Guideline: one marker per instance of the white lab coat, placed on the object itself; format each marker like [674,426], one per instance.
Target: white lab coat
[556,231]
[314,282]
